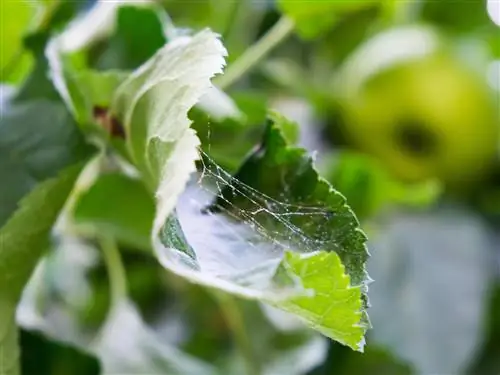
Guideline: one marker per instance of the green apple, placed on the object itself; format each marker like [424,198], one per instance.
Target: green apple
[408,100]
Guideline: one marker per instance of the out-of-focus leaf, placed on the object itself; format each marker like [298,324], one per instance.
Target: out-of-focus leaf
[37,85]
[374,362]
[61,290]
[84,91]
[127,346]
[488,362]
[199,327]
[463,16]
[284,232]
[37,139]
[41,154]
[95,24]
[315,17]
[41,356]
[219,105]
[292,350]
[138,34]
[432,271]
[120,206]
[16,18]
[127,45]
[369,187]
[23,239]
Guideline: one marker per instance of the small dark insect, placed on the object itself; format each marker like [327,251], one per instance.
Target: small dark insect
[111,124]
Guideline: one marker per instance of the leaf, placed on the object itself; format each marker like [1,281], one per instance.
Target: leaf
[277,349]
[119,206]
[219,105]
[41,154]
[159,93]
[37,85]
[315,17]
[138,34]
[487,362]
[425,265]
[276,233]
[37,139]
[85,91]
[126,33]
[369,187]
[16,18]
[127,346]
[41,356]
[22,241]
[124,343]
[98,23]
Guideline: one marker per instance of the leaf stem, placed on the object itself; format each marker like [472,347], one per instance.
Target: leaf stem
[253,55]
[232,314]
[116,270]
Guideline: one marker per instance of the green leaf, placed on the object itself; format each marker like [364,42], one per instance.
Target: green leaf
[41,356]
[16,18]
[96,24]
[158,94]
[138,35]
[37,139]
[279,342]
[41,154]
[369,187]
[277,233]
[84,91]
[316,17]
[127,346]
[335,308]
[426,265]
[120,206]
[37,85]
[22,241]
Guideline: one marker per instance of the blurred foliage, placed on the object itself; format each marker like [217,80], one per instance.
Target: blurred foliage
[405,115]
[40,356]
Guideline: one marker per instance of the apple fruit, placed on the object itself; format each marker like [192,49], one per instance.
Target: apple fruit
[411,102]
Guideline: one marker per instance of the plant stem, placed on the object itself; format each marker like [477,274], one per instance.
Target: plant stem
[232,314]
[255,53]
[116,270]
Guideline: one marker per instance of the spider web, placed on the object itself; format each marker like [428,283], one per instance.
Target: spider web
[231,230]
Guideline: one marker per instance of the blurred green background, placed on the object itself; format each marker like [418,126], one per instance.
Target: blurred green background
[399,101]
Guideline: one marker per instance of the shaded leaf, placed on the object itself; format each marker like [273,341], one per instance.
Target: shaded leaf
[37,139]
[23,239]
[138,34]
[41,356]
[369,187]
[315,17]
[120,206]
[41,155]
[425,265]
[127,346]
